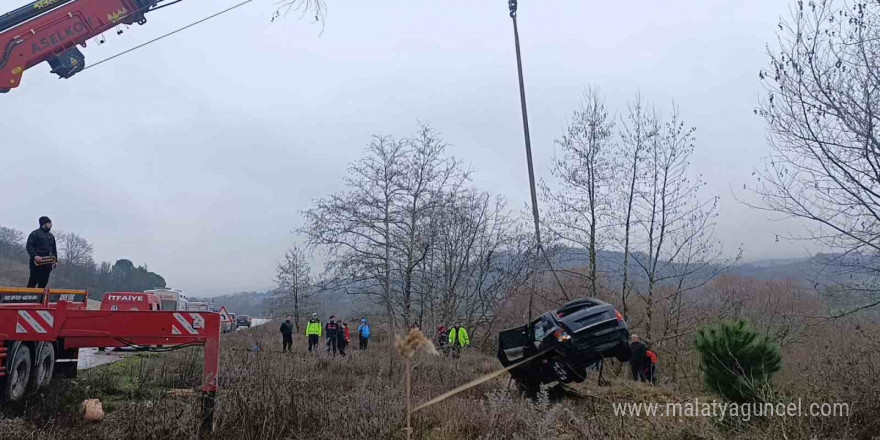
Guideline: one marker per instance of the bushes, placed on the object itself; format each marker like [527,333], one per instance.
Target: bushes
[736,362]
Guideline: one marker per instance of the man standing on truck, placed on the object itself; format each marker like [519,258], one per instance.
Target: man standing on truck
[637,361]
[313,331]
[286,335]
[42,252]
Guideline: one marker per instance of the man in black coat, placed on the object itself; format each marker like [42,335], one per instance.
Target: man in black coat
[331,331]
[42,252]
[286,335]
[638,359]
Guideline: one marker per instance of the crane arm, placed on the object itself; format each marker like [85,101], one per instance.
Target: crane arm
[50,30]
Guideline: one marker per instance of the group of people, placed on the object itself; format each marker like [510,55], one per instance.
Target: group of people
[336,332]
[338,335]
[453,339]
[643,361]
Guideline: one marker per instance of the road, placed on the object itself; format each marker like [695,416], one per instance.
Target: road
[91,357]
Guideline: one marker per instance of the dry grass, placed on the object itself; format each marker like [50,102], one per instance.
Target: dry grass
[270,395]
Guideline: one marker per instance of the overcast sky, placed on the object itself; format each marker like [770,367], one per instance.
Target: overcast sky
[197,153]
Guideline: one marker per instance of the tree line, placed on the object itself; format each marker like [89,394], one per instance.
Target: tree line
[411,230]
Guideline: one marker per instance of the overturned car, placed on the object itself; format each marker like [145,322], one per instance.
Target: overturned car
[563,343]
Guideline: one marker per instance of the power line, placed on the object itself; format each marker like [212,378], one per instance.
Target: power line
[169,34]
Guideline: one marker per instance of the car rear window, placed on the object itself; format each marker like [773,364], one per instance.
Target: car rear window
[574,308]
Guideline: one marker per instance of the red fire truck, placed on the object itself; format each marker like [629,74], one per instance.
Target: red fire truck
[130,301]
[41,332]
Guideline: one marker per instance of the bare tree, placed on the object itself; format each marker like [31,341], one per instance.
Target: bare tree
[673,226]
[480,253]
[11,242]
[580,211]
[356,226]
[822,108]
[428,174]
[301,7]
[638,130]
[409,231]
[294,280]
[74,250]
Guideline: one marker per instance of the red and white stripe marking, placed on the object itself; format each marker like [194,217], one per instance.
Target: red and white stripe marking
[190,323]
[34,321]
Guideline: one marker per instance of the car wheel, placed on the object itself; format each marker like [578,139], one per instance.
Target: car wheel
[528,388]
[623,352]
[44,365]
[18,373]
[580,375]
[562,371]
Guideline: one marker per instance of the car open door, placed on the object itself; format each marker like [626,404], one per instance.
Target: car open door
[514,345]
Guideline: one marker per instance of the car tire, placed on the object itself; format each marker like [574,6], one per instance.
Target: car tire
[623,352]
[44,365]
[562,371]
[528,388]
[580,375]
[18,374]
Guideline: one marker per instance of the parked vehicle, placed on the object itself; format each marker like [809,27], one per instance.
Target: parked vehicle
[243,321]
[130,302]
[200,306]
[171,299]
[564,343]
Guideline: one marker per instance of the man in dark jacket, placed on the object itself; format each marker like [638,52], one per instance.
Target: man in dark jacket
[639,356]
[43,254]
[331,331]
[286,335]
[342,337]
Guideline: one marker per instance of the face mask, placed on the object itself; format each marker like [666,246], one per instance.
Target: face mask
[47,228]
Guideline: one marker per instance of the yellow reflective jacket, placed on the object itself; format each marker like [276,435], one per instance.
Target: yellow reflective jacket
[314,328]
[461,334]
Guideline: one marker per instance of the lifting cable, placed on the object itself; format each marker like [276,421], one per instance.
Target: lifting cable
[512,4]
[170,33]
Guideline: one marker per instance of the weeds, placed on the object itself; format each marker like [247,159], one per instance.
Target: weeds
[270,395]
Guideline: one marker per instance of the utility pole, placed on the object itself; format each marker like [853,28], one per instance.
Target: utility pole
[512,5]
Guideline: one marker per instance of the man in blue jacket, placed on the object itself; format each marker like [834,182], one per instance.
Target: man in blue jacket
[364,333]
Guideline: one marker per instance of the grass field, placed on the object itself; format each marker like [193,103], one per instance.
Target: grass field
[272,395]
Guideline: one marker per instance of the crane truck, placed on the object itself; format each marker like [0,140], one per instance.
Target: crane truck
[41,332]
[50,30]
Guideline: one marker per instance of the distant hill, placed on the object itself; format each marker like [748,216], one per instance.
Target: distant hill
[821,271]
[326,303]
[241,303]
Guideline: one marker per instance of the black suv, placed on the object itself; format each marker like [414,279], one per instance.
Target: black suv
[243,321]
[567,341]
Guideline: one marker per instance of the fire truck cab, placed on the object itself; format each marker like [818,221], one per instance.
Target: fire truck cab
[130,302]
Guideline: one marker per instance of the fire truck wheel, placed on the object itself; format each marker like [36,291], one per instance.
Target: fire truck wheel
[44,365]
[18,374]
